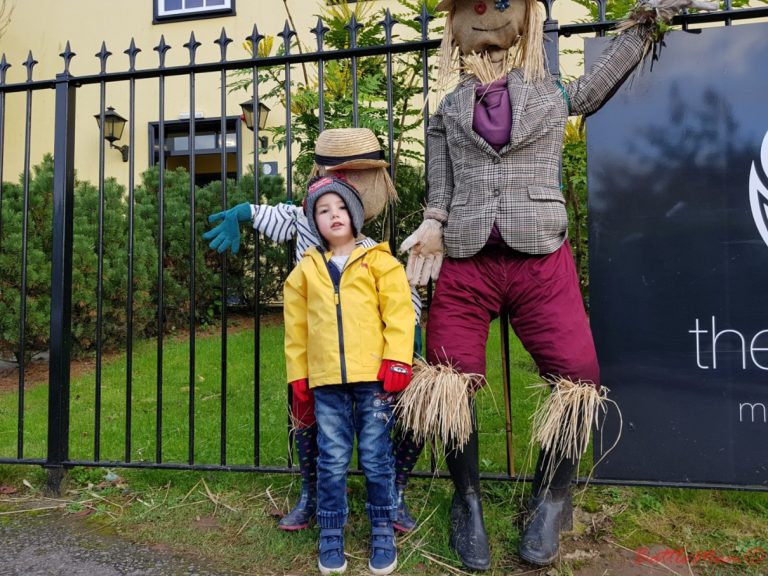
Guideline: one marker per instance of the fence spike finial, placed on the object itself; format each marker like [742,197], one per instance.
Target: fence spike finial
[161,49]
[388,23]
[223,42]
[423,19]
[132,51]
[353,26]
[320,30]
[102,55]
[286,35]
[67,55]
[192,46]
[29,63]
[255,39]
[3,68]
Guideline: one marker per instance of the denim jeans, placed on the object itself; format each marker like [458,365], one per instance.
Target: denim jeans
[342,411]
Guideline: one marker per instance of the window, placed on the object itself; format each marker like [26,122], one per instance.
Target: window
[208,145]
[188,9]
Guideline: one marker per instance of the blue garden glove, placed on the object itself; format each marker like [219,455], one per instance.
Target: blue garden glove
[227,233]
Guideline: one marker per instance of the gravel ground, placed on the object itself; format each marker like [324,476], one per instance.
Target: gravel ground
[51,544]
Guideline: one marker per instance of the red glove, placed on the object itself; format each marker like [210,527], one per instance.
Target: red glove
[301,389]
[396,375]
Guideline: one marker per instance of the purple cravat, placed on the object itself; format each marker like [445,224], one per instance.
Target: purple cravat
[493,121]
[493,113]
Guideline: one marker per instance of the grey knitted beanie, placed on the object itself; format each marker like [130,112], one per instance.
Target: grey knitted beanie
[346,191]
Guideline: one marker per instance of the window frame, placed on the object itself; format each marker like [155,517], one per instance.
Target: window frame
[191,13]
[202,125]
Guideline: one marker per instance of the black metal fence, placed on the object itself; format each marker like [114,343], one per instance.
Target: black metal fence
[66,87]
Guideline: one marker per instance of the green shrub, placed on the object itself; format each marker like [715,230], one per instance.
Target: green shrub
[117,259]
[37,271]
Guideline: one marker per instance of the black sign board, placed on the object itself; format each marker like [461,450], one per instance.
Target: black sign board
[678,200]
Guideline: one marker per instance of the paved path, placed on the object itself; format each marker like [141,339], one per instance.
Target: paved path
[52,544]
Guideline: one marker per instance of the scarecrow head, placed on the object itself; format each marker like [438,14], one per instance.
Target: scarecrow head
[355,155]
[506,33]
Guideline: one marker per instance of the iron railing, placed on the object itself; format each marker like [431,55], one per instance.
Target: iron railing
[66,87]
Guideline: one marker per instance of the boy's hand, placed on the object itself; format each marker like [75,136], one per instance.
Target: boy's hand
[301,389]
[227,233]
[395,375]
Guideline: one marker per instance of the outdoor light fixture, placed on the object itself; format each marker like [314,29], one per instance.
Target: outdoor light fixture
[261,120]
[113,129]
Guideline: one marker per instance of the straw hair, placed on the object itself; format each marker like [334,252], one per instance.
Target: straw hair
[435,406]
[341,148]
[562,423]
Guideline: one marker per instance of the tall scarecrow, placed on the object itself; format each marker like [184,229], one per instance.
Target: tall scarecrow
[355,155]
[496,212]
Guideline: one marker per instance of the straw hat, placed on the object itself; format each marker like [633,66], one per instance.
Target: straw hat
[349,148]
[357,152]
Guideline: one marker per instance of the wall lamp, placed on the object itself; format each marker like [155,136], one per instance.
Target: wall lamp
[261,120]
[113,129]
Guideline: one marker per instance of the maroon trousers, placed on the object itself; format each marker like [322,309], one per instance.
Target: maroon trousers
[541,295]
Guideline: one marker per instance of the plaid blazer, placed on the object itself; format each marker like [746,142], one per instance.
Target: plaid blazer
[471,185]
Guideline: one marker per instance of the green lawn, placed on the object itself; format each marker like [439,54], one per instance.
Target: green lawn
[240,405]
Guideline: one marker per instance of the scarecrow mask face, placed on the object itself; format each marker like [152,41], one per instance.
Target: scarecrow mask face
[488,25]
[366,182]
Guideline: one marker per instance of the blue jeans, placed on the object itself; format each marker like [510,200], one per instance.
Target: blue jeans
[342,411]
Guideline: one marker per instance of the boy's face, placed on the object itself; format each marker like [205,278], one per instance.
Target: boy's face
[333,220]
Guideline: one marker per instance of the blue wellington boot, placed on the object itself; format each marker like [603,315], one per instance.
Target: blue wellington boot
[302,515]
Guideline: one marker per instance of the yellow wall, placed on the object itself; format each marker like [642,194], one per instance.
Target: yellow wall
[44,26]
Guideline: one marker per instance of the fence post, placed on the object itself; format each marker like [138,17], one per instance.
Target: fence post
[552,46]
[61,282]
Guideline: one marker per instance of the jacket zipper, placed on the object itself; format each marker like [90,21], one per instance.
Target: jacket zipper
[339,321]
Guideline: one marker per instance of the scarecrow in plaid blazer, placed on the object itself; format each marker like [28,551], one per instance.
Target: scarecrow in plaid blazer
[496,212]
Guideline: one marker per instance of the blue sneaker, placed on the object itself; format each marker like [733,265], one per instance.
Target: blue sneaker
[331,560]
[383,558]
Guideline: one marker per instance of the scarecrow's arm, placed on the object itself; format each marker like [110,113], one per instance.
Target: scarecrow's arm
[639,31]
[439,168]
[282,222]
[425,246]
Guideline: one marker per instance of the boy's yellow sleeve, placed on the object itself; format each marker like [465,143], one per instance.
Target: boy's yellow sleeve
[396,309]
[295,320]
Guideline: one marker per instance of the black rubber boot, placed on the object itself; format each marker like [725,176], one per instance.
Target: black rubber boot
[550,512]
[303,513]
[468,537]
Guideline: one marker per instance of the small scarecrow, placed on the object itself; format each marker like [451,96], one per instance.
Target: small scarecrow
[355,155]
[496,212]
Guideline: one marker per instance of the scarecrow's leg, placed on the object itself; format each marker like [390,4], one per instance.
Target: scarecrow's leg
[406,451]
[466,299]
[303,415]
[468,537]
[553,326]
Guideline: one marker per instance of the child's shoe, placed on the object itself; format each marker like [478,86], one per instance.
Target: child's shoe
[331,559]
[383,558]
